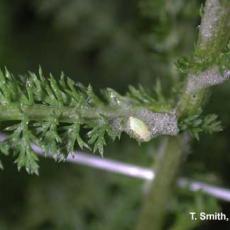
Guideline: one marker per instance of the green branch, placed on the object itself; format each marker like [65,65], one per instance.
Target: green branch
[50,113]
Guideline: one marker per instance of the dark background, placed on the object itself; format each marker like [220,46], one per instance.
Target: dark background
[113,44]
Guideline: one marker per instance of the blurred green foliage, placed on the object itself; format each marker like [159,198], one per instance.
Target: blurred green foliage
[108,44]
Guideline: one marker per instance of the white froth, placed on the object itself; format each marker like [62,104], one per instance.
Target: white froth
[206,79]
[209,23]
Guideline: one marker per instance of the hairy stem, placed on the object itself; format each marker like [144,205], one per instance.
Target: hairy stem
[38,112]
[166,174]
[213,36]
[65,114]
[135,121]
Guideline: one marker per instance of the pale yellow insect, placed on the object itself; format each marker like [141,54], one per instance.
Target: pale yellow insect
[139,129]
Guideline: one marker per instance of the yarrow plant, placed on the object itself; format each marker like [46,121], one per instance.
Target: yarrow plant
[61,116]
[51,113]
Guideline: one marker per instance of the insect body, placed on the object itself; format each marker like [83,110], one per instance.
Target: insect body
[139,129]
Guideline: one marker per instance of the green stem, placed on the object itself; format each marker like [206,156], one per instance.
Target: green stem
[214,30]
[65,114]
[166,172]
[213,36]
[15,112]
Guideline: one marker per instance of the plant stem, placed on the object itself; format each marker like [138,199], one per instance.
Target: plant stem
[40,112]
[213,36]
[65,114]
[166,173]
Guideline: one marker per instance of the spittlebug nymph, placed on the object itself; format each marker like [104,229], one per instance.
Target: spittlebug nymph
[138,129]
